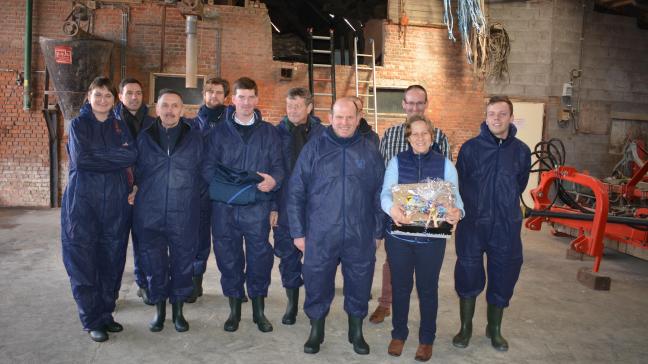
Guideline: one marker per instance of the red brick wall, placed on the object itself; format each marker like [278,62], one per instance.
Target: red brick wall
[428,58]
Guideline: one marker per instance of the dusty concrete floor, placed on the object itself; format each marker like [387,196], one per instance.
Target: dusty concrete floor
[552,318]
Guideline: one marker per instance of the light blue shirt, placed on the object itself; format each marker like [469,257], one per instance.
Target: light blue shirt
[391,179]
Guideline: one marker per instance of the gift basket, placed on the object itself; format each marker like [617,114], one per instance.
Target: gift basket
[425,204]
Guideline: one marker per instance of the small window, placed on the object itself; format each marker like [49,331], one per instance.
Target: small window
[190,96]
[390,100]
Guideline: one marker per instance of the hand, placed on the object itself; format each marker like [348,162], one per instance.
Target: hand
[397,214]
[267,184]
[131,196]
[274,218]
[453,215]
[300,243]
[378,243]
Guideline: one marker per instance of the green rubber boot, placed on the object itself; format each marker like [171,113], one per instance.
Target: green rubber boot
[316,338]
[356,338]
[290,316]
[197,289]
[466,312]
[180,323]
[494,328]
[157,324]
[234,318]
[258,305]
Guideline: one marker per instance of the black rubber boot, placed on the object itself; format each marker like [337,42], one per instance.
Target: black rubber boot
[181,325]
[360,346]
[290,316]
[466,312]
[197,289]
[316,337]
[143,292]
[98,335]
[258,305]
[160,315]
[234,318]
[114,326]
[494,328]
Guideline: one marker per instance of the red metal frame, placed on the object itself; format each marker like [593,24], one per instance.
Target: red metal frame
[598,228]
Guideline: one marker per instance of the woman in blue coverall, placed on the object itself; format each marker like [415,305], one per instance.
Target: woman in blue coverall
[408,254]
[95,212]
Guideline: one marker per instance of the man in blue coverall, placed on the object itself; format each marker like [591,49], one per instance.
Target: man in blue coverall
[335,217]
[493,171]
[167,206]
[295,129]
[243,143]
[210,113]
[134,113]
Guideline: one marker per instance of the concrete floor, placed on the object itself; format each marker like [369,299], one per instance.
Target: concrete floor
[552,318]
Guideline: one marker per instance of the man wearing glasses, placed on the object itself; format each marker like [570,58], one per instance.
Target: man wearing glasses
[415,102]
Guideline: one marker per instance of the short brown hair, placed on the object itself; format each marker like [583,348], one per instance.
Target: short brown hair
[415,118]
[102,81]
[415,87]
[302,92]
[245,83]
[496,99]
[218,81]
[127,81]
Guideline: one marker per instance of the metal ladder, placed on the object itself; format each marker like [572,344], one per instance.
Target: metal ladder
[312,66]
[369,80]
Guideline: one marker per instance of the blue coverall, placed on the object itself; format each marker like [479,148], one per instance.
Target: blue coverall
[290,265]
[138,271]
[231,224]
[334,202]
[95,214]
[492,175]
[167,207]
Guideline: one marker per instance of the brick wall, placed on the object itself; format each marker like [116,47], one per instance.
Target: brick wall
[427,57]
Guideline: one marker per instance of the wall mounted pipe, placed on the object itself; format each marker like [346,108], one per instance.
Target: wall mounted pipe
[28,55]
[124,40]
[191,67]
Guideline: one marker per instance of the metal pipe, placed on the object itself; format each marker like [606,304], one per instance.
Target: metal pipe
[332,49]
[191,67]
[588,217]
[163,38]
[124,41]
[28,55]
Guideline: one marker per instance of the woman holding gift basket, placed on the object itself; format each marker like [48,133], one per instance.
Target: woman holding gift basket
[419,193]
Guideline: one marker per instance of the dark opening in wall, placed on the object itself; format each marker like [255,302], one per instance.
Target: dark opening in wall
[348,19]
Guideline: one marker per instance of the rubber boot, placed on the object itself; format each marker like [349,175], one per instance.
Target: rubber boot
[290,316]
[181,325]
[197,289]
[316,337]
[258,305]
[234,318]
[360,346]
[494,328]
[466,312]
[160,315]
[98,335]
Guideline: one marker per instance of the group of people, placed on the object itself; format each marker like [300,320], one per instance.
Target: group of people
[227,177]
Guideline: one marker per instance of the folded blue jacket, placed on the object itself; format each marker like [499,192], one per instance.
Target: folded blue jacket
[236,187]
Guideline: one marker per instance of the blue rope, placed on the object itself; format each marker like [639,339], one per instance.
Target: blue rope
[448,20]
[470,15]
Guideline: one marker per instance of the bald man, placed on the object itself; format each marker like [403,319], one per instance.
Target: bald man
[334,217]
